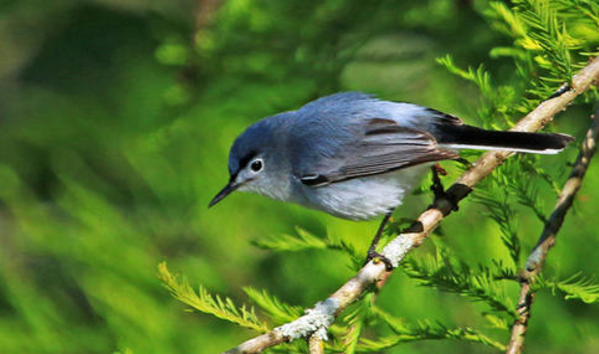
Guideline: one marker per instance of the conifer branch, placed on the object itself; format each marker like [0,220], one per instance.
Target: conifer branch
[324,312]
[536,260]
[203,301]
[421,330]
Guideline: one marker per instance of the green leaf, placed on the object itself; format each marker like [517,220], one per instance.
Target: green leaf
[444,272]
[497,322]
[356,322]
[302,241]
[422,330]
[576,287]
[203,301]
[500,210]
[305,240]
[280,312]
[478,76]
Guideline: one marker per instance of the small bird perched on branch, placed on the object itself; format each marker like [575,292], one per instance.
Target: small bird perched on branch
[355,157]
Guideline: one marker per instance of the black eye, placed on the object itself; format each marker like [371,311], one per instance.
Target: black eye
[256,165]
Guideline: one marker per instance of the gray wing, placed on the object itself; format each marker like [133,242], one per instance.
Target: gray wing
[380,146]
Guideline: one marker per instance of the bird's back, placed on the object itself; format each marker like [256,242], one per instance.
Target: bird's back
[326,133]
[323,133]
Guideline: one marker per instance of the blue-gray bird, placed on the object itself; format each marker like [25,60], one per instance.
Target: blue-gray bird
[355,156]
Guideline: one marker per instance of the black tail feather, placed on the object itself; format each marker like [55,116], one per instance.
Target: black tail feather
[464,136]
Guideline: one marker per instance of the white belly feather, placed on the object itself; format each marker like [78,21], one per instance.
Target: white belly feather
[366,197]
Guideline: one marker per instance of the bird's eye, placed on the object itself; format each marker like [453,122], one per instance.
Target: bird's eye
[257,165]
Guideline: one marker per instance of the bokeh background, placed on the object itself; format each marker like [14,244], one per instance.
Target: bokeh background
[116,117]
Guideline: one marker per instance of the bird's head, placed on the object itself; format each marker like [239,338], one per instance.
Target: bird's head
[251,166]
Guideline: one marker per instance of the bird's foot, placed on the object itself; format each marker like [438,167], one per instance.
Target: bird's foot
[376,257]
[437,186]
[438,189]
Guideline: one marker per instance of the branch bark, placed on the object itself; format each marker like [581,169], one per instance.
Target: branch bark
[316,345]
[536,260]
[374,271]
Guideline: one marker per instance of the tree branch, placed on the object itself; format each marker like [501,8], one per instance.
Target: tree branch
[317,320]
[316,345]
[536,260]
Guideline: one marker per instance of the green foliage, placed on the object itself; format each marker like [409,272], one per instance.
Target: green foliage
[125,351]
[447,273]
[551,40]
[528,195]
[423,330]
[279,312]
[575,287]
[305,240]
[216,306]
[115,121]
[492,98]
[356,322]
[502,213]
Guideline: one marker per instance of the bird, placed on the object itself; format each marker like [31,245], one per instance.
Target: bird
[355,156]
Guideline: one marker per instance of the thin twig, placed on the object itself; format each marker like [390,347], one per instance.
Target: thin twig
[537,257]
[325,312]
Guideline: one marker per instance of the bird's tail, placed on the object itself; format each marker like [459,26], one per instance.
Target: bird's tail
[467,137]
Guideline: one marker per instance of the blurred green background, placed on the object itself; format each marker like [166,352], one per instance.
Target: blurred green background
[116,117]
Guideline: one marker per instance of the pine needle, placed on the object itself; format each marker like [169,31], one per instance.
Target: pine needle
[203,301]
[278,311]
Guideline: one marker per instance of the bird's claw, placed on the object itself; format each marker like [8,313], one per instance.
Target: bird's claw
[438,189]
[376,257]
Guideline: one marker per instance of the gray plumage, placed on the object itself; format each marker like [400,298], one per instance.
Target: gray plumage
[354,156]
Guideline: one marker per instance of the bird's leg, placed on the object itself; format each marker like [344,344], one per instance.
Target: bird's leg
[437,186]
[372,253]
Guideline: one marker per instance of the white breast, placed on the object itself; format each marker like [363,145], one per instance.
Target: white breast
[364,198]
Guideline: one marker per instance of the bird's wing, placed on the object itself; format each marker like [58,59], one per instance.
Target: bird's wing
[382,146]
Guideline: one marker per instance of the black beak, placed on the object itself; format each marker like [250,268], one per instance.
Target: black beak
[230,187]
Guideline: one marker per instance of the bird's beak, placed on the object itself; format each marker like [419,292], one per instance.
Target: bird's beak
[230,187]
